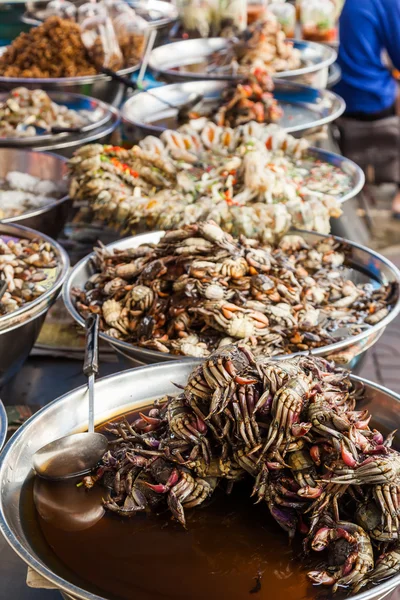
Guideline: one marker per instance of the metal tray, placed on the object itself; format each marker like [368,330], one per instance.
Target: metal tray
[116,395]
[99,114]
[172,61]
[305,109]
[364,266]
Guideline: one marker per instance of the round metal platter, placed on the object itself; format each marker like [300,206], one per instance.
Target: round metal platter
[96,112]
[363,266]
[116,395]
[305,108]
[188,59]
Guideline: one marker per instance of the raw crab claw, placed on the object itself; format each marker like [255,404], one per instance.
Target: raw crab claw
[300,429]
[359,560]
[347,456]
[321,578]
[310,492]
[161,488]
[387,565]
[374,470]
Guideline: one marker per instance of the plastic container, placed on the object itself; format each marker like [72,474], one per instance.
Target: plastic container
[255,10]
[131,30]
[212,18]
[286,15]
[318,20]
[99,37]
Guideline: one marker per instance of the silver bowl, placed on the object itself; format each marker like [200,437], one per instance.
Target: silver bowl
[3,424]
[305,109]
[99,114]
[20,329]
[364,266]
[49,219]
[115,395]
[168,62]
[99,86]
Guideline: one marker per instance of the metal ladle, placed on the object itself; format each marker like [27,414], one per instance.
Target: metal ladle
[78,453]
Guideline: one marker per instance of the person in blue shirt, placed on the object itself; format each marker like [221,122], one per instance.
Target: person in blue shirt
[368,30]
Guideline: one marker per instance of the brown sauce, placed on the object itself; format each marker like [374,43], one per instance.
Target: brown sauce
[231,549]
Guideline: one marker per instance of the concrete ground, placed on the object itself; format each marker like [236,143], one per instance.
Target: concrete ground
[382,363]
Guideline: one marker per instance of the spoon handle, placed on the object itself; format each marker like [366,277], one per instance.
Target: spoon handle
[91,363]
[3,287]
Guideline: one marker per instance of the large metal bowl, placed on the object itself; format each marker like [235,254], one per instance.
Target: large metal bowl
[364,266]
[99,113]
[99,86]
[49,219]
[305,109]
[168,62]
[3,424]
[115,395]
[20,329]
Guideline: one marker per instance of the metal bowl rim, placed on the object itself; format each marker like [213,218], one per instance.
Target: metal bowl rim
[3,424]
[41,210]
[324,93]
[165,20]
[61,81]
[358,173]
[83,139]
[22,231]
[330,53]
[48,138]
[78,592]
[167,356]
[35,212]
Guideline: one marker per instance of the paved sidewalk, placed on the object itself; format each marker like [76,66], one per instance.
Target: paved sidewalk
[382,363]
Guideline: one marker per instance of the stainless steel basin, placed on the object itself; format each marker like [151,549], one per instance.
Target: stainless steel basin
[115,395]
[366,266]
[49,219]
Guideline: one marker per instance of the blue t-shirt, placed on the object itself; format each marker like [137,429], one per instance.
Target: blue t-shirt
[367,28]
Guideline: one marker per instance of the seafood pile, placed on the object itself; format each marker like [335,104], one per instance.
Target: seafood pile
[293,428]
[27,113]
[199,289]
[250,100]
[263,45]
[23,265]
[254,180]
[21,192]
[54,49]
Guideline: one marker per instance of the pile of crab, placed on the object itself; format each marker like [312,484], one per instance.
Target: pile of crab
[254,180]
[289,426]
[199,289]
